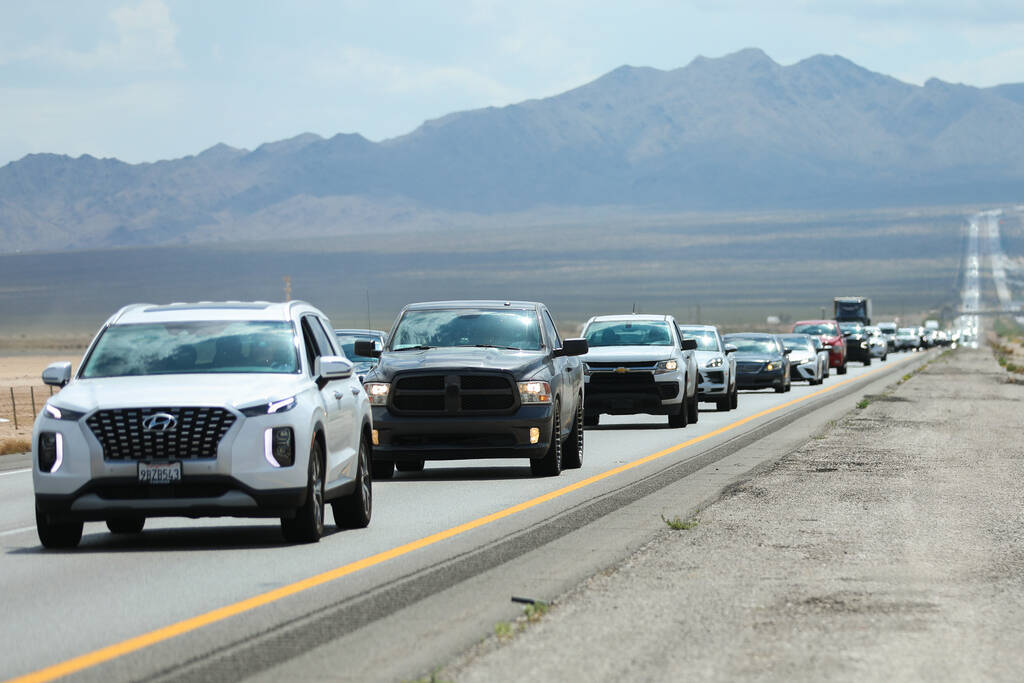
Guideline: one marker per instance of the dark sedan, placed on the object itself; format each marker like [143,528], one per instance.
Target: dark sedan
[761,361]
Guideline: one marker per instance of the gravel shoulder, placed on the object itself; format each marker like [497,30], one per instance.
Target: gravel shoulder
[887,547]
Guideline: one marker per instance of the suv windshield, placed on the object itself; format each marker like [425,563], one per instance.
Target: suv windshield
[507,328]
[194,348]
[816,329]
[706,339]
[748,345]
[628,333]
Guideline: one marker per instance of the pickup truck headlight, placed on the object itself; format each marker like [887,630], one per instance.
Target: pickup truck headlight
[62,413]
[534,392]
[378,392]
[714,363]
[666,366]
[270,407]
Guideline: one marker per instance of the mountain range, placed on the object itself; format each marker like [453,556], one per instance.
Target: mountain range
[736,132]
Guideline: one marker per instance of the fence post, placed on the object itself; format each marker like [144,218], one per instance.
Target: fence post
[32,396]
[14,409]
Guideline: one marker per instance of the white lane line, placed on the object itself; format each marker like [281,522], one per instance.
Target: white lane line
[22,530]
[5,474]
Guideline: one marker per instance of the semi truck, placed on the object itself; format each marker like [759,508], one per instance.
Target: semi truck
[852,309]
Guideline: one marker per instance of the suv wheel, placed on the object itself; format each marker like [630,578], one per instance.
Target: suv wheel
[57,534]
[572,454]
[841,370]
[724,404]
[680,418]
[694,409]
[307,526]
[410,465]
[126,525]
[354,510]
[551,464]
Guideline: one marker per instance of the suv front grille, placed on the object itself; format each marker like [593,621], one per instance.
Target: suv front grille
[196,433]
[462,394]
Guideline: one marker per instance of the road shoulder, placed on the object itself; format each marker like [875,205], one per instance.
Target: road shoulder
[887,547]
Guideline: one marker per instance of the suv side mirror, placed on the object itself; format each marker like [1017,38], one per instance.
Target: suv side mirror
[332,367]
[366,348]
[786,352]
[730,348]
[688,344]
[572,347]
[57,374]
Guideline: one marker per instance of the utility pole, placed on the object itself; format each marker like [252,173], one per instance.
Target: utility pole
[287,288]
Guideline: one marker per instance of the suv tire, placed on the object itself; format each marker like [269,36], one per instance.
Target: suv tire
[354,510]
[551,464]
[734,400]
[591,420]
[572,452]
[383,469]
[841,370]
[307,526]
[57,534]
[694,410]
[680,418]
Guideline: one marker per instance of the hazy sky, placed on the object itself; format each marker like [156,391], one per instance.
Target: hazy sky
[150,79]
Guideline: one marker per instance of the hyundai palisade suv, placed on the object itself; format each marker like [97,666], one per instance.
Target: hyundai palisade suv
[640,364]
[476,379]
[716,366]
[208,409]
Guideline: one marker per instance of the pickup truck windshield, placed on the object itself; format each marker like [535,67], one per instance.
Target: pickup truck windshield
[628,333]
[506,328]
[194,348]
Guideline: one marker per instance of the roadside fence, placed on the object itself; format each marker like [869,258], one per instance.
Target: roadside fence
[20,405]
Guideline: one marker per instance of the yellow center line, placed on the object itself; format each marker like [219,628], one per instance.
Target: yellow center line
[136,643]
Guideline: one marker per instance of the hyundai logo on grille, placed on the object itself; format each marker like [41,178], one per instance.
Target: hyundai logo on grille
[160,422]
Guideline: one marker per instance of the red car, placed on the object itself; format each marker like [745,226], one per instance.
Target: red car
[829,333]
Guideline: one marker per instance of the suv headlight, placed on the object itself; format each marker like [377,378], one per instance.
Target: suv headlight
[534,392]
[774,365]
[666,366]
[378,392]
[270,408]
[714,362]
[62,413]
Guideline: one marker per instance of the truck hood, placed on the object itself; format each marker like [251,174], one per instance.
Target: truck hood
[628,354]
[519,363]
[238,390]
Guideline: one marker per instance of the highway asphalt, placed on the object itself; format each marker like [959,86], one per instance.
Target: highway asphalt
[228,599]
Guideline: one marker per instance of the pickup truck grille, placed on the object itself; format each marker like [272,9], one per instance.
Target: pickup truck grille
[195,434]
[457,394]
[600,365]
[609,382]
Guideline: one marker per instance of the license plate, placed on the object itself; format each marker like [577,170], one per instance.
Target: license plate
[159,472]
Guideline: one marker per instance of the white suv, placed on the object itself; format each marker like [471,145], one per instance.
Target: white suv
[204,410]
[639,364]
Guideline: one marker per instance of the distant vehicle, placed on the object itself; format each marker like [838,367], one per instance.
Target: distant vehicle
[927,337]
[852,309]
[204,410]
[716,366]
[857,345]
[888,330]
[908,339]
[931,324]
[640,364]
[828,333]
[877,343]
[761,361]
[808,358]
[476,379]
[348,338]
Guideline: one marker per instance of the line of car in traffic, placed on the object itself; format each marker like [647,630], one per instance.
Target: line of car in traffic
[256,409]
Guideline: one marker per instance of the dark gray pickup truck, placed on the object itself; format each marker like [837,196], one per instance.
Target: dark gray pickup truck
[476,379]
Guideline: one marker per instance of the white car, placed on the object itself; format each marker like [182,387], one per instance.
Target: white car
[808,358]
[878,344]
[198,410]
[639,364]
[716,366]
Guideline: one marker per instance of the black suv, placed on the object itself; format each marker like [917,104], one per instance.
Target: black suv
[476,379]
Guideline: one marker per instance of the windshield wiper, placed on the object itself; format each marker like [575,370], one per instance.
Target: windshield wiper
[496,346]
[418,347]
